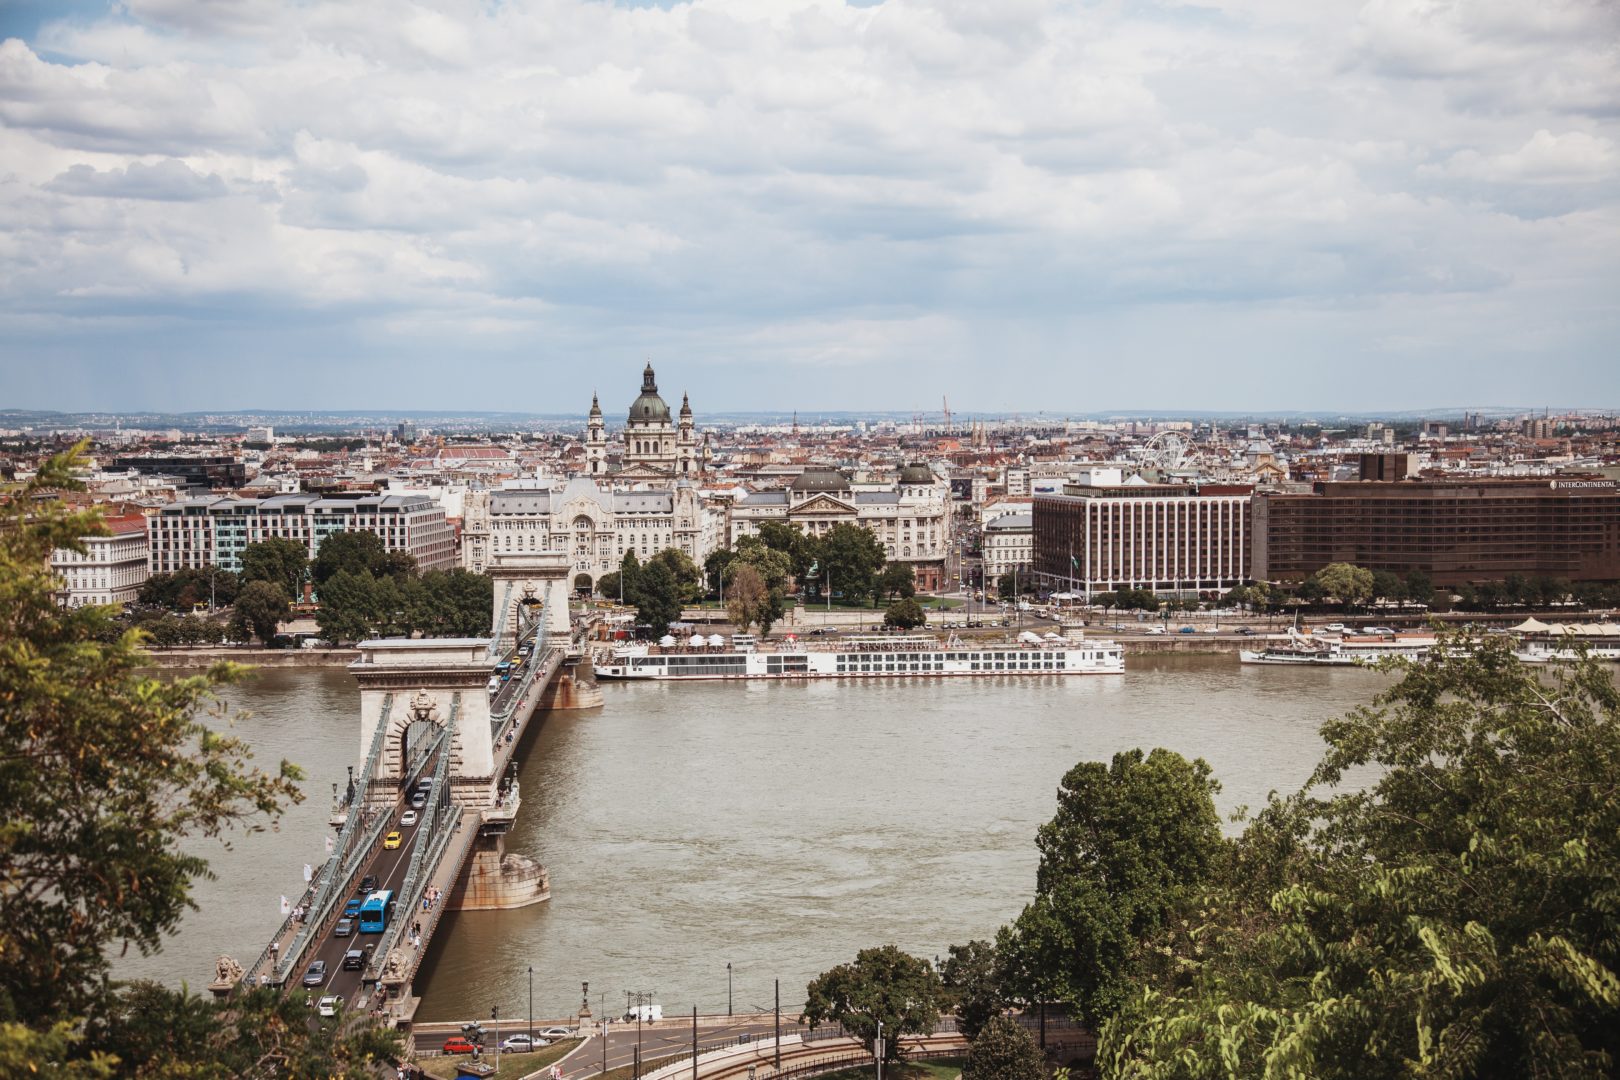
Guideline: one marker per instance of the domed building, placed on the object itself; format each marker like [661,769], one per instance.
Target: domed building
[656,446]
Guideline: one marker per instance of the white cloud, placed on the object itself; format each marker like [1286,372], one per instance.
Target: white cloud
[805,182]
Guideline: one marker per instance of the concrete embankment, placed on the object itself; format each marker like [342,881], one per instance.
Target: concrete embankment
[276,658]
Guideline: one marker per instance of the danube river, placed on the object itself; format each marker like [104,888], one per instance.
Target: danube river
[775,826]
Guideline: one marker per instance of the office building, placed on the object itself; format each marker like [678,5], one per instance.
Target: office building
[207,531]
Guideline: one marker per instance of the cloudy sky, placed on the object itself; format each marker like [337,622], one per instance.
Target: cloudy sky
[1025,205]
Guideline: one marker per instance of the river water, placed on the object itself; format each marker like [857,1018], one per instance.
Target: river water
[779,827]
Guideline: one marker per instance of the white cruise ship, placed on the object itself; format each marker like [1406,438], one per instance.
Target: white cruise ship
[884,656]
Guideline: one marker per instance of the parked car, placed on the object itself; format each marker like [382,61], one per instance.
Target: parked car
[407,819]
[1334,628]
[522,1044]
[1246,631]
[1387,631]
[315,974]
[556,1033]
[344,928]
[1154,630]
[329,1005]
[1187,630]
[455,1044]
[393,840]
[354,960]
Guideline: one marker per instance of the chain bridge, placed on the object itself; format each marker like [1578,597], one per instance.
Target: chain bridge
[421,827]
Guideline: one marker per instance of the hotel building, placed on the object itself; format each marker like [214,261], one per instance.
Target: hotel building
[207,531]
[1101,535]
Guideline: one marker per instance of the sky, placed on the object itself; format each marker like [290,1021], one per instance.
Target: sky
[1022,206]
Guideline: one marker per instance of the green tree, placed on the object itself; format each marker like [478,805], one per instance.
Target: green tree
[882,985]
[108,778]
[183,590]
[1004,1051]
[358,552]
[258,1034]
[656,596]
[688,578]
[897,580]
[714,567]
[279,561]
[1007,587]
[1130,843]
[1351,585]
[853,557]
[1452,915]
[348,610]
[774,608]
[1387,586]
[1419,587]
[906,614]
[262,606]
[790,540]
[774,566]
[972,978]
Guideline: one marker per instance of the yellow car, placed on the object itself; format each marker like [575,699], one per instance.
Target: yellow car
[392,840]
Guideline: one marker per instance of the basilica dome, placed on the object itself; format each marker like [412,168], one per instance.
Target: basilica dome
[649,408]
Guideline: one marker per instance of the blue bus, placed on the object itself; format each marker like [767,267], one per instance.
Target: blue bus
[376,911]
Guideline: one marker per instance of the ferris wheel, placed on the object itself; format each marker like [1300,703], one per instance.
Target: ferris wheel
[1168,450]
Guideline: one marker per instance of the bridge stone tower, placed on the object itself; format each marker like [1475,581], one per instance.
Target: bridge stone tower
[526,577]
[420,685]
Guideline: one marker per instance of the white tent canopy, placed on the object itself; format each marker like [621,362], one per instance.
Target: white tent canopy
[1531,625]
[1030,637]
[667,639]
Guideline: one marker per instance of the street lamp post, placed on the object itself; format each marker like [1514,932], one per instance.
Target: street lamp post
[531,1006]
[495,1032]
[728,987]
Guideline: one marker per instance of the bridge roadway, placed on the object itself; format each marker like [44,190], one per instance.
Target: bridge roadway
[513,706]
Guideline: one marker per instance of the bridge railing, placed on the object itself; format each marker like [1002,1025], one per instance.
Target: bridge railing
[342,868]
[429,832]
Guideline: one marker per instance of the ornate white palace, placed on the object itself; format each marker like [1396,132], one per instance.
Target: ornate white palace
[648,503]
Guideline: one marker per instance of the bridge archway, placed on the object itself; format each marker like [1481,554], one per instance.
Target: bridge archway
[417,730]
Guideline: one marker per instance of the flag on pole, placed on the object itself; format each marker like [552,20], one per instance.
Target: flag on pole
[1074,563]
[286,908]
[309,872]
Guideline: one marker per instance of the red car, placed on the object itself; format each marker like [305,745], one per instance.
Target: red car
[455,1044]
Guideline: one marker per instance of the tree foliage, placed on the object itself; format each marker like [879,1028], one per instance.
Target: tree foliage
[439,603]
[656,594]
[261,607]
[775,567]
[688,578]
[257,1035]
[358,552]
[853,557]
[183,590]
[104,773]
[1004,1051]
[905,614]
[897,580]
[973,980]
[277,560]
[1131,841]
[1349,584]
[1455,917]
[883,984]
[746,595]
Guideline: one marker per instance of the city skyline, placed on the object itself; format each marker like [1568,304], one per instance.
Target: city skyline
[1239,206]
